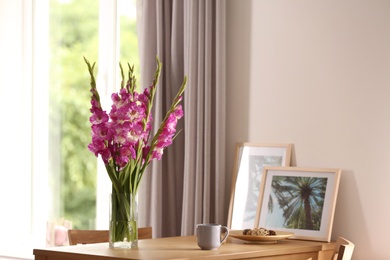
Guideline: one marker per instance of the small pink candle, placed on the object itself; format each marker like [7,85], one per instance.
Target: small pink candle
[60,235]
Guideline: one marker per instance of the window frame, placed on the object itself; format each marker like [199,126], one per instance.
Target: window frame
[31,19]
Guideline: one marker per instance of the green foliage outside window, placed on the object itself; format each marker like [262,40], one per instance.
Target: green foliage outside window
[74,34]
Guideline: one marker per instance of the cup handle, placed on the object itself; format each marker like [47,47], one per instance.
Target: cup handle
[223,228]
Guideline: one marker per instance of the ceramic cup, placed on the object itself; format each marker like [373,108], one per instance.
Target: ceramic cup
[211,236]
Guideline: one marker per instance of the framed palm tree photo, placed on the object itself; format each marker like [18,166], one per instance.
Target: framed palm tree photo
[248,167]
[299,200]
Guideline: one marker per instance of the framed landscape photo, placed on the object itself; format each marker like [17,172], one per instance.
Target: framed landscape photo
[250,159]
[299,200]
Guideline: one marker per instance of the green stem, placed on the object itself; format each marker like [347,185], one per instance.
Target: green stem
[124,215]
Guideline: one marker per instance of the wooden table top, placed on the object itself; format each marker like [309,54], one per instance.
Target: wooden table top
[186,248]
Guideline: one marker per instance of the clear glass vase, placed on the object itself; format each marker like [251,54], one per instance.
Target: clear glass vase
[123,220]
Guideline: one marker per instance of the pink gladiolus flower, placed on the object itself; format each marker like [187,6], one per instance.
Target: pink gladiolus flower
[157,153]
[122,136]
[179,112]
[98,117]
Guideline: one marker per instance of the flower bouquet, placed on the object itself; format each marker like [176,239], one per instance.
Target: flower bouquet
[126,145]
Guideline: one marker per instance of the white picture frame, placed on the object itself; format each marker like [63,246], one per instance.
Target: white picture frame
[299,200]
[250,159]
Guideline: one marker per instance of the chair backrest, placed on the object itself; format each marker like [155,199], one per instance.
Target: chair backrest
[343,249]
[79,236]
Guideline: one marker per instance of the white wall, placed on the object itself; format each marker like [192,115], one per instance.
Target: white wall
[317,74]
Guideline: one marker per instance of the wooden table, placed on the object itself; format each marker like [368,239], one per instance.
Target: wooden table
[187,248]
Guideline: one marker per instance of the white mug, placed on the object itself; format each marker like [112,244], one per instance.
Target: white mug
[209,236]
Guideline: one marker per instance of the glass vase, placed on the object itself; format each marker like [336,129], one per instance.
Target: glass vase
[123,220]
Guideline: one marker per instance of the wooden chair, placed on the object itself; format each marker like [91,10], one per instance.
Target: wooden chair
[343,249]
[78,236]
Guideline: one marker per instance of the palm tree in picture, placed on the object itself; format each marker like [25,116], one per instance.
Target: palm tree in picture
[302,200]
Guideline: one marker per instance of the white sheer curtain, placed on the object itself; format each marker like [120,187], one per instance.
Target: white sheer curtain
[188,185]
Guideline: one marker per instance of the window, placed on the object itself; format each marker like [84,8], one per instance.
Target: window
[48,172]
[73,32]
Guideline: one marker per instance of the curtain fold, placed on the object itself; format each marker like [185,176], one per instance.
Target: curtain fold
[187,186]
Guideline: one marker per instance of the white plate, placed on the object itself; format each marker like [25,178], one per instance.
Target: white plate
[279,235]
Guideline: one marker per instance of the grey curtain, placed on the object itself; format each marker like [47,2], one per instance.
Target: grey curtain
[187,186]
